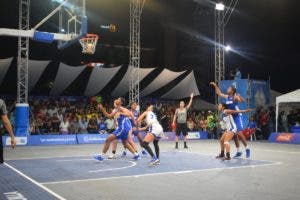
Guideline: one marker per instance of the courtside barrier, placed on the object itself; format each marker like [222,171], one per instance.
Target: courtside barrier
[48,140]
[288,138]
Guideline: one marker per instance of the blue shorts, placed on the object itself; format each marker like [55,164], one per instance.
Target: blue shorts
[238,122]
[122,131]
[121,134]
[135,133]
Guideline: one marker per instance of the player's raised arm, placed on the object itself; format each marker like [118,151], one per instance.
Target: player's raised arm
[103,110]
[141,117]
[190,102]
[229,112]
[239,98]
[218,91]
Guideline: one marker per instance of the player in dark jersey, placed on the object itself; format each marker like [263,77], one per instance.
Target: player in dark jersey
[232,100]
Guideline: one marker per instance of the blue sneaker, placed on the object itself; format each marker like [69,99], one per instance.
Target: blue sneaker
[136,157]
[144,153]
[154,161]
[124,153]
[248,153]
[98,157]
[238,155]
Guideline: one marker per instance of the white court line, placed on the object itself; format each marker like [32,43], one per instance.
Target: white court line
[277,151]
[74,160]
[49,157]
[34,182]
[162,173]
[112,169]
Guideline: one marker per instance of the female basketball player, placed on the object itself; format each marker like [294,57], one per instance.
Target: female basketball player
[154,133]
[232,100]
[230,129]
[181,116]
[124,127]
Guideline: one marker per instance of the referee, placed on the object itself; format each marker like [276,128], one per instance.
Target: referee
[7,125]
[181,116]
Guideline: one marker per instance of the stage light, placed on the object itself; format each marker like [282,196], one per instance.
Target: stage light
[220,6]
[228,48]
[62,30]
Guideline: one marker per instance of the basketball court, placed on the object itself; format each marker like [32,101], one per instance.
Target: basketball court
[69,172]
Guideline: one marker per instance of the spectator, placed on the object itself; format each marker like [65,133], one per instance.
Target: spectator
[264,124]
[272,119]
[47,124]
[92,125]
[83,124]
[238,74]
[291,119]
[64,126]
[55,122]
[282,122]
[74,126]
[109,124]
[190,124]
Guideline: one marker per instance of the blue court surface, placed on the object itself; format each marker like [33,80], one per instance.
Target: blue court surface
[30,177]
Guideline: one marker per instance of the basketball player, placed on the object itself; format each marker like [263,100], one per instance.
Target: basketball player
[232,99]
[230,129]
[154,134]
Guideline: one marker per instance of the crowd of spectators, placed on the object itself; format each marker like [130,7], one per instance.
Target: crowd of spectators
[79,115]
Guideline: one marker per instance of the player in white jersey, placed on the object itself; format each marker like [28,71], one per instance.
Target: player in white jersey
[154,134]
[230,129]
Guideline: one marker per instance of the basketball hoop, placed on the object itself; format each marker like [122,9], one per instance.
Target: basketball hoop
[89,43]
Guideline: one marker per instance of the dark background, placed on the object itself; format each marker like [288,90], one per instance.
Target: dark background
[174,35]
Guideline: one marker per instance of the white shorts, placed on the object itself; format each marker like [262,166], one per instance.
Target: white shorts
[156,130]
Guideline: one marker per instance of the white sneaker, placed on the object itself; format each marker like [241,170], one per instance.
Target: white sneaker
[112,156]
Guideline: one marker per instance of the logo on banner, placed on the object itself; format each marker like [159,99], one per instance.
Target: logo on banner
[20,141]
[93,139]
[14,195]
[285,137]
[193,135]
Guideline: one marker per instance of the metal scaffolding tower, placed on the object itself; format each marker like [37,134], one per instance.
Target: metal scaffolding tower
[219,46]
[23,52]
[136,8]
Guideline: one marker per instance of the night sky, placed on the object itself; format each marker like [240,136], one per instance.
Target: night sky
[175,33]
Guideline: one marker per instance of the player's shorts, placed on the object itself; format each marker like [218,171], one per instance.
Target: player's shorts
[156,130]
[181,128]
[122,131]
[238,122]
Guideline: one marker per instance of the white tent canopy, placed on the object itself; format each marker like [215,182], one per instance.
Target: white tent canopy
[165,77]
[184,88]
[65,76]
[123,86]
[35,70]
[292,97]
[4,66]
[99,79]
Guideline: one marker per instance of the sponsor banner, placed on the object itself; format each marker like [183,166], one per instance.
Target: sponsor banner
[193,135]
[292,138]
[91,138]
[41,140]
[21,141]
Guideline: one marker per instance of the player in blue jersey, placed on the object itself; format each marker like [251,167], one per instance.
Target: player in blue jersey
[154,134]
[229,127]
[123,128]
[136,131]
[232,100]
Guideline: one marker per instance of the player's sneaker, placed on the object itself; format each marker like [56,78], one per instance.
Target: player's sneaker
[220,156]
[136,157]
[112,156]
[238,155]
[226,158]
[124,153]
[144,153]
[248,153]
[98,157]
[154,161]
